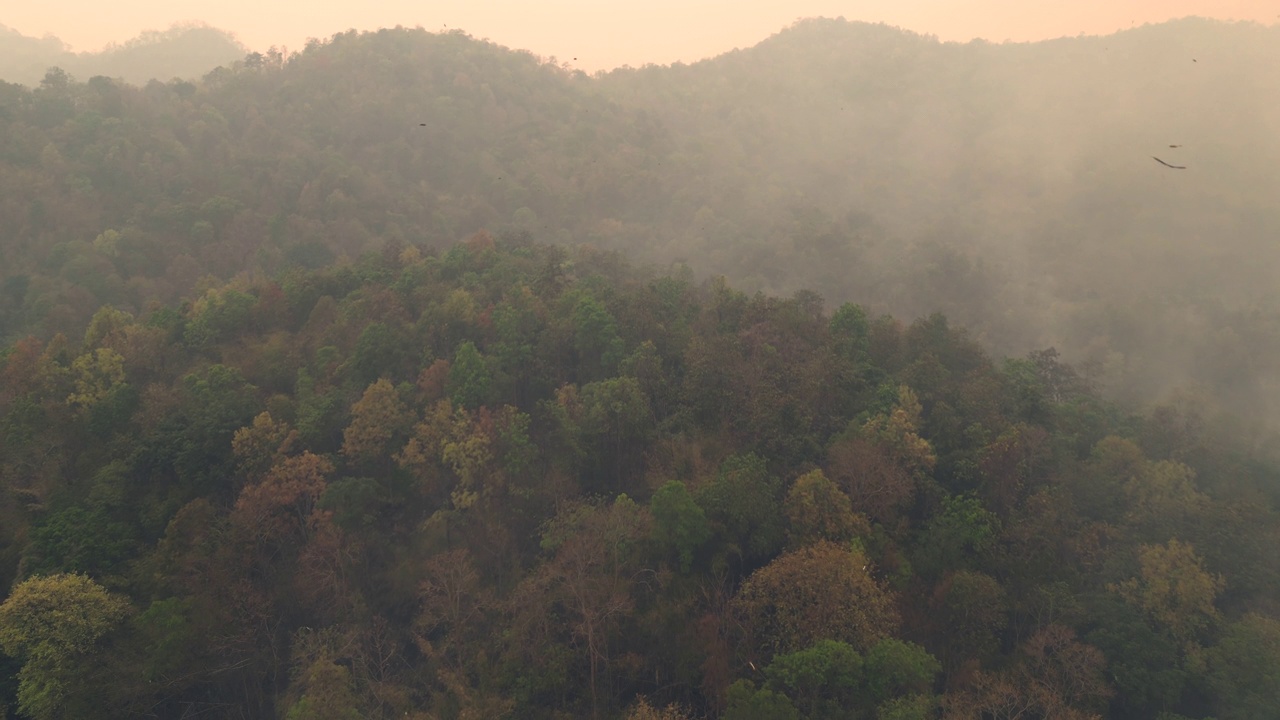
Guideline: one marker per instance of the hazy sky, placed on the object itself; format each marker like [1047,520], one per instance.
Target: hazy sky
[606,33]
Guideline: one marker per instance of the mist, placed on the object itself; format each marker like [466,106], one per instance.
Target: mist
[1012,187]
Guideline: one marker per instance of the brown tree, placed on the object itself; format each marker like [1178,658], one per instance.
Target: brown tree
[817,510]
[377,418]
[819,592]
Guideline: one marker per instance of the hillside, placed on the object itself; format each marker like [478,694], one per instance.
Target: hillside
[1010,186]
[183,51]
[509,481]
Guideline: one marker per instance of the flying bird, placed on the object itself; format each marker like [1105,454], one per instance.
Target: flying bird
[1175,167]
[1175,146]
[422,124]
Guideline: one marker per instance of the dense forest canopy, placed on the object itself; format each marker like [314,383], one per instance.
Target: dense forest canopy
[410,376]
[510,481]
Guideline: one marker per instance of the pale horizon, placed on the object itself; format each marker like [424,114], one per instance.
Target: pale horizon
[603,34]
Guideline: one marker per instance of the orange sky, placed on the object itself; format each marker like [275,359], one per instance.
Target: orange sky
[607,33]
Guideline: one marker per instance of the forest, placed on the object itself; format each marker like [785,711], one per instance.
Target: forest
[850,376]
[185,51]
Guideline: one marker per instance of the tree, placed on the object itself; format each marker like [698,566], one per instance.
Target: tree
[376,419]
[1145,664]
[898,431]
[328,694]
[747,702]
[593,566]
[95,373]
[1055,676]
[1174,589]
[469,377]
[1244,669]
[616,415]
[595,338]
[642,710]
[51,622]
[894,668]
[875,483]
[743,504]
[815,593]
[679,525]
[969,611]
[379,351]
[279,508]
[817,510]
[822,681]
[261,444]
[961,530]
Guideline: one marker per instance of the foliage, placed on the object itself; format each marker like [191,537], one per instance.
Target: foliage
[619,486]
[50,622]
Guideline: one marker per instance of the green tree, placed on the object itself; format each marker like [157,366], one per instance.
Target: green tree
[894,668]
[679,525]
[962,530]
[822,681]
[1244,669]
[50,623]
[379,351]
[744,505]
[596,339]
[469,380]
[747,702]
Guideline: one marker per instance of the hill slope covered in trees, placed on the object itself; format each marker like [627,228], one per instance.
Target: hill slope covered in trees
[183,51]
[505,480]
[1010,186]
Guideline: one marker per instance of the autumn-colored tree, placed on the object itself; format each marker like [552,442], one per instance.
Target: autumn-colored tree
[818,592]
[642,710]
[449,626]
[875,483]
[817,510]
[1174,589]
[262,444]
[1011,466]
[1056,677]
[898,431]
[376,420]
[279,508]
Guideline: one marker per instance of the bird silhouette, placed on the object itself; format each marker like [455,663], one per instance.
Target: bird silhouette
[1175,167]
[1175,146]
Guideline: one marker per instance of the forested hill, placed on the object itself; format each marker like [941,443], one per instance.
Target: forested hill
[183,51]
[1010,186]
[509,481]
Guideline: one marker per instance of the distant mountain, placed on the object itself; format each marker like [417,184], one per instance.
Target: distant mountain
[183,51]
